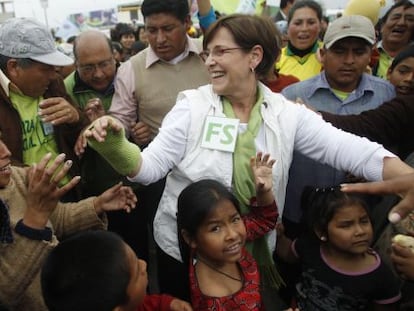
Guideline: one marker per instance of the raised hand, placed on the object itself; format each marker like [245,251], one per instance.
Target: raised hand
[118,197]
[44,191]
[262,171]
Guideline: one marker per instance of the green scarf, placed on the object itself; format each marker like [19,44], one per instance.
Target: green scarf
[244,188]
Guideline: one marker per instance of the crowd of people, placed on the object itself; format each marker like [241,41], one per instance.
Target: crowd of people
[249,169]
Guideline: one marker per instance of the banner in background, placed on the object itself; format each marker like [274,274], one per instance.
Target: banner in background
[76,23]
[246,7]
[241,6]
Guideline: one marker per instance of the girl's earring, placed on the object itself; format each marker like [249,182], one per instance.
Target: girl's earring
[324,238]
[252,69]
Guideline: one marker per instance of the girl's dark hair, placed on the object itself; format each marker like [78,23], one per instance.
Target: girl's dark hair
[248,31]
[195,203]
[88,271]
[315,6]
[319,206]
[404,54]
[177,8]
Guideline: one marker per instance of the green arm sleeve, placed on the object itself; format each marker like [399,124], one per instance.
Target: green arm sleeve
[120,153]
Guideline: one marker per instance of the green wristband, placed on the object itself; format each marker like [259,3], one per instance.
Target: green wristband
[120,153]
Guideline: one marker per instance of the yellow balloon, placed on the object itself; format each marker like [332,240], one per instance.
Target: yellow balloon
[367,8]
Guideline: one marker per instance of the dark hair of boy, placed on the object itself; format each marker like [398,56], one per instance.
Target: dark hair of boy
[85,256]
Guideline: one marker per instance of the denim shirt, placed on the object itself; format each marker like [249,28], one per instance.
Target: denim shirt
[316,92]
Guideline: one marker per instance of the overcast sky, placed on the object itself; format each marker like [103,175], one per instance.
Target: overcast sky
[58,10]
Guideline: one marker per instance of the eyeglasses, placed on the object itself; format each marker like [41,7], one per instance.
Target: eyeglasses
[217,52]
[91,68]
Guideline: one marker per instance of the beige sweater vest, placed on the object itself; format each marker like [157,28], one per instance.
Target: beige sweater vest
[157,87]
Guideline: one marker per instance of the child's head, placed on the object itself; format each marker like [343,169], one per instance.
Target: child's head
[93,270]
[339,219]
[209,222]
[401,72]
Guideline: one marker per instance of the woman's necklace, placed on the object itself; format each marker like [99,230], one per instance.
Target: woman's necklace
[219,271]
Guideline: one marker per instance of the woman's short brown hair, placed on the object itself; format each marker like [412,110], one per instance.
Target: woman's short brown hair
[248,31]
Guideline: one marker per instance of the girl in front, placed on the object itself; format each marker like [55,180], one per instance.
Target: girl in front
[339,269]
[212,235]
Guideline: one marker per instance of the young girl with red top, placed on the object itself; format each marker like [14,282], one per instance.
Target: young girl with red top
[212,235]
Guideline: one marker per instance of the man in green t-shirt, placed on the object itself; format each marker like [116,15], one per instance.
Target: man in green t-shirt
[36,114]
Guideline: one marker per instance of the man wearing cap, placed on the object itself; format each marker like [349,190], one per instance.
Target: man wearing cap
[342,88]
[36,114]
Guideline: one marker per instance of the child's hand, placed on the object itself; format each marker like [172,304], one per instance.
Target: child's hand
[115,198]
[262,171]
[180,305]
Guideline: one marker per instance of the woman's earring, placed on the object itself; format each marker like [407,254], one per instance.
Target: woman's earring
[324,238]
[252,69]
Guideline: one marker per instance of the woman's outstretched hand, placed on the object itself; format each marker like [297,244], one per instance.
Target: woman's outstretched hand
[402,186]
[98,128]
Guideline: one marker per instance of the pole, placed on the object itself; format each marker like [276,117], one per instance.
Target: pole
[46,21]
[45,4]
